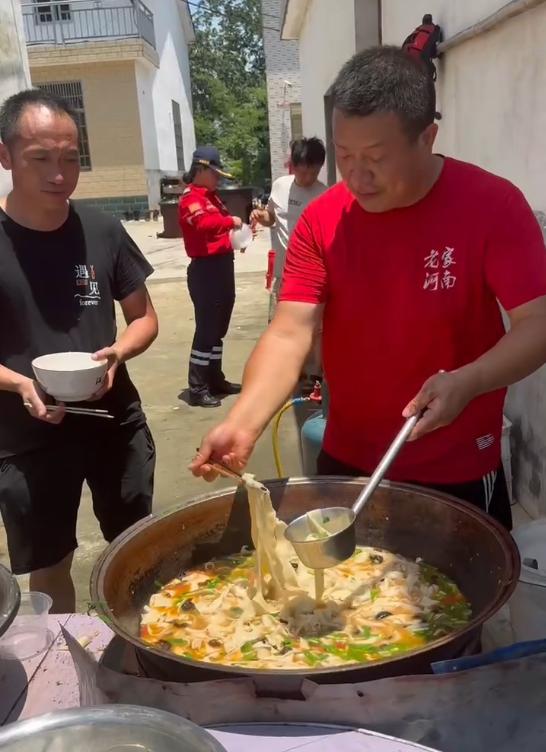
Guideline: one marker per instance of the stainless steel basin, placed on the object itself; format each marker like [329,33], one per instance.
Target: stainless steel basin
[107,728]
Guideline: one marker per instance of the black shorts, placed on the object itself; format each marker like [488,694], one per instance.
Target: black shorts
[490,493]
[40,492]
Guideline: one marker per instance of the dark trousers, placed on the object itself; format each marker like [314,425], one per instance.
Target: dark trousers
[40,491]
[211,284]
[490,493]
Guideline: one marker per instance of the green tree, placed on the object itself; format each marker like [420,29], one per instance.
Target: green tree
[228,85]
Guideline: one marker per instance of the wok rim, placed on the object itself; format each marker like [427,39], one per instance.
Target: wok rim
[13,599]
[505,588]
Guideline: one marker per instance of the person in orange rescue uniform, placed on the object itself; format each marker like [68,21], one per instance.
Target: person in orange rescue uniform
[206,225]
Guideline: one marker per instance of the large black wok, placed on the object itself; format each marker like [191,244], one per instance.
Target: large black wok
[455,537]
[10,598]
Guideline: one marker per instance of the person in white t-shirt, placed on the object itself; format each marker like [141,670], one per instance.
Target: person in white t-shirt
[290,195]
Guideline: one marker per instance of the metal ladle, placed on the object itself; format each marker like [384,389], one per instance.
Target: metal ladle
[323,538]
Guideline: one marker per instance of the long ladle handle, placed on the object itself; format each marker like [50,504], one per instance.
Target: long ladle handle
[385,463]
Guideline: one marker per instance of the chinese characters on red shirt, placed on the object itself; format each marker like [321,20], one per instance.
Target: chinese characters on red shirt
[438,272]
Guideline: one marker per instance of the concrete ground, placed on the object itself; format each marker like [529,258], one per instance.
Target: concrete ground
[161,376]
[170,262]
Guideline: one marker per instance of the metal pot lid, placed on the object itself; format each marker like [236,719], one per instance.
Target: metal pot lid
[108,728]
[10,598]
[316,737]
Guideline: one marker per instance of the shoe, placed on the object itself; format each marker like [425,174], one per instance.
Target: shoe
[225,388]
[203,399]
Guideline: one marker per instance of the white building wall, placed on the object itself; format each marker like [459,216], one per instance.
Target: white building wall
[172,82]
[492,95]
[157,88]
[327,41]
[400,17]
[492,89]
[145,74]
[14,72]
[282,66]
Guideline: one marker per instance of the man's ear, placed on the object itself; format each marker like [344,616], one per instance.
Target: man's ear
[5,157]
[428,136]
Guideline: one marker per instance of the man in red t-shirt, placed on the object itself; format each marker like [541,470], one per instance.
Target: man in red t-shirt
[405,261]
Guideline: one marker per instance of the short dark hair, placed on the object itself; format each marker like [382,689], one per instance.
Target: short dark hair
[387,79]
[12,109]
[189,176]
[308,151]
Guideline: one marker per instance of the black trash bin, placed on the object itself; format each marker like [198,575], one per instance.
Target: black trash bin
[238,200]
[169,212]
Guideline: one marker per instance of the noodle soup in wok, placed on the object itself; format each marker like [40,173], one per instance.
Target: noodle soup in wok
[259,609]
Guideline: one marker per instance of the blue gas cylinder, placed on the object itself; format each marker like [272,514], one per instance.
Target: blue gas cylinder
[312,434]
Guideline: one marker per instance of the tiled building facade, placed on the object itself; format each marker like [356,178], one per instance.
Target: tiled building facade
[123,66]
[283,87]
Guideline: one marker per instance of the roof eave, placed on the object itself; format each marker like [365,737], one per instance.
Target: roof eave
[293,18]
[187,21]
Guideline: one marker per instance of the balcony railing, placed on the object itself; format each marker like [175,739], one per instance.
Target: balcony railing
[65,23]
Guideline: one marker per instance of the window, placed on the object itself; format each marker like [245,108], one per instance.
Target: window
[178,139]
[48,12]
[71,92]
[296,122]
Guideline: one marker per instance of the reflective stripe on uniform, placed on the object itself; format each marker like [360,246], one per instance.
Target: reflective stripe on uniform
[489,481]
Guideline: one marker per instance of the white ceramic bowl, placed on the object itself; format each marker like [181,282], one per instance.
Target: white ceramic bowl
[241,238]
[69,376]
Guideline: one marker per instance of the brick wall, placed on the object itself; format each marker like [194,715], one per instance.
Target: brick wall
[282,64]
[43,55]
[124,207]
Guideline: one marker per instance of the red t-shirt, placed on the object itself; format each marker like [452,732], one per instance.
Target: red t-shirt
[408,293]
[205,223]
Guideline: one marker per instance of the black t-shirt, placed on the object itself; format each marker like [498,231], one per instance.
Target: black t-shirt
[57,293]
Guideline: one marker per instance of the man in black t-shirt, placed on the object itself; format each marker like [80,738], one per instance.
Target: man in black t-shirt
[61,269]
